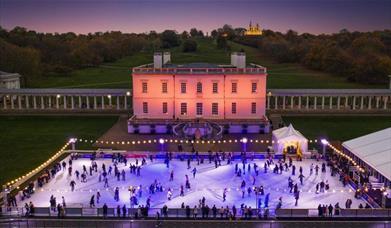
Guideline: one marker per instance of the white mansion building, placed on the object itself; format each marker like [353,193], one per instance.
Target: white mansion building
[163,92]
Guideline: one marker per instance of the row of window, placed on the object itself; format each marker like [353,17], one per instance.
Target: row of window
[215,87]
[199,108]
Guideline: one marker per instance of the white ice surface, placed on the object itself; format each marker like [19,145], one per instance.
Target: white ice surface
[209,183]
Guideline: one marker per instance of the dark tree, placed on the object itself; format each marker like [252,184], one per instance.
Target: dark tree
[189,45]
[185,35]
[193,32]
[169,39]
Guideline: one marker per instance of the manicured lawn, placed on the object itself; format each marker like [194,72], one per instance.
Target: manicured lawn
[339,128]
[26,142]
[117,74]
[98,77]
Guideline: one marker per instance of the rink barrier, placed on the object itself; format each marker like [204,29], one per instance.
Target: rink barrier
[107,153]
[181,213]
[292,212]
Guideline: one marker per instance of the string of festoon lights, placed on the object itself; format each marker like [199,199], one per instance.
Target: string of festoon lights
[163,141]
[40,167]
[340,153]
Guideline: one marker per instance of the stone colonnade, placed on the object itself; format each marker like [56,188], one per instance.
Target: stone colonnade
[76,100]
[326,100]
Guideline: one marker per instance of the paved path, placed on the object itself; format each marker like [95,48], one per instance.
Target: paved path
[118,133]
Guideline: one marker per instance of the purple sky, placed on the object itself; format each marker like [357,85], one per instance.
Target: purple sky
[83,16]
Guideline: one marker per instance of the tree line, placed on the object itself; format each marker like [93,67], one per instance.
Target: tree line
[363,57]
[34,54]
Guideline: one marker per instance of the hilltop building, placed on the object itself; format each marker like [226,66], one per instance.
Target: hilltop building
[253,30]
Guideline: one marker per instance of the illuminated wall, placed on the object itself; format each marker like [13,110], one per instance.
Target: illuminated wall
[221,100]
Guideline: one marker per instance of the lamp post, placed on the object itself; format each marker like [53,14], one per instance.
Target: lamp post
[324,143]
[72,141]
[161,142]
[244,143]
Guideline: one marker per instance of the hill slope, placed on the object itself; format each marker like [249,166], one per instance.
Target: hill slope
[117,74]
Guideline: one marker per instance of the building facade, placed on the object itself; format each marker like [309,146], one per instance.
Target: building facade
[9,80]
[199,91]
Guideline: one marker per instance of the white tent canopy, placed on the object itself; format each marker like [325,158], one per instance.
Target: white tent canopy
[373,149]
[288,136]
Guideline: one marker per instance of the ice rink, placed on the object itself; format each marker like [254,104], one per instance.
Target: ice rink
[209,182]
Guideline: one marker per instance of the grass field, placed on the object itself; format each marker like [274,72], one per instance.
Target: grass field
[338,128]
[117,74]
[26,142]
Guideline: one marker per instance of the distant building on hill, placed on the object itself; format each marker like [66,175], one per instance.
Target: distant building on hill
[9,80]
[253,30]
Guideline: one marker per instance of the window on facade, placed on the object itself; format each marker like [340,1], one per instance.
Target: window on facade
[164,87]
[254,87]
[199,87]
[234,87]
[183,108]
[215,87]
[145,87]
[215,108]
[253,108]
[145,107]
[233,108]
[165,108]
[183,87]
[199,109]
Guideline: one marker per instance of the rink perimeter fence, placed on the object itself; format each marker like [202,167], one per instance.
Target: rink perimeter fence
[175,223]
[180,213]
[173,213]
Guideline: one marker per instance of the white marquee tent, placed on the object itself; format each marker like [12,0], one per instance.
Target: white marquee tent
[373,149]
[288,136]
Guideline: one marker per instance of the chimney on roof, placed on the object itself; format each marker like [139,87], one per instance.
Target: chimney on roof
[157,60]
[238,59]
[166,57]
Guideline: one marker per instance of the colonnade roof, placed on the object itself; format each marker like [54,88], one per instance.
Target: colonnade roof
[74,91]
[329,92]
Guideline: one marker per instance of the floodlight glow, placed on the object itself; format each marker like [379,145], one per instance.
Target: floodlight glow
[161,141]
[244,140]
[324,141]
[72,140]
[128,93]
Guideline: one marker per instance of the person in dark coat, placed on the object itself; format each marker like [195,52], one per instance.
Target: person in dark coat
[330,210]
[105,211]
[124,211]
[118,211]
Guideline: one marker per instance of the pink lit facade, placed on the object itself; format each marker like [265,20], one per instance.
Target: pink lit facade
[221,93]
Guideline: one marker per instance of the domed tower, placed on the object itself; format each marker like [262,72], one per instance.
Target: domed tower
[253,30]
